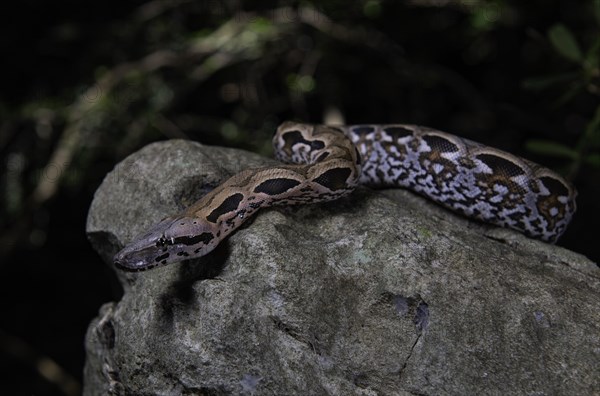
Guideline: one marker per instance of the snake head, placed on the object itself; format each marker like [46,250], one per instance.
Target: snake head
[174,239]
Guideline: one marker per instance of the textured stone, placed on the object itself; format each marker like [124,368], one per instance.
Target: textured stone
[379,293]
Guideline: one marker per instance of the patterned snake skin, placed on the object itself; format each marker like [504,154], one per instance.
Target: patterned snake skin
[477,181]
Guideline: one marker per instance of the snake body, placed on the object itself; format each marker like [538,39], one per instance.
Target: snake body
[327,162]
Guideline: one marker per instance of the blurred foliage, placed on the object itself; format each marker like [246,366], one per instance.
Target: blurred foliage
[86,84]
[584,79]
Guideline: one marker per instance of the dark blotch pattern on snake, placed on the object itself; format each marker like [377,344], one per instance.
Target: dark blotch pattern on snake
[325,163]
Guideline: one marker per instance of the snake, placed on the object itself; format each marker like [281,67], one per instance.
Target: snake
[322,163]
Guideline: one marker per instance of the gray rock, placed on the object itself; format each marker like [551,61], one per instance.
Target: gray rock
[379,293]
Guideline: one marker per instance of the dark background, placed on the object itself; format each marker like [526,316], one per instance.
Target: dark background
[84,84]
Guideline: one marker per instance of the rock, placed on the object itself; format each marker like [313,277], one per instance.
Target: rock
[378,293]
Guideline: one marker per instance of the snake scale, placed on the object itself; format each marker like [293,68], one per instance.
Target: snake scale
[327,162]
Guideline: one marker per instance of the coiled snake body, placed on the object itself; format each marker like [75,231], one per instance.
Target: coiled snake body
[327,162]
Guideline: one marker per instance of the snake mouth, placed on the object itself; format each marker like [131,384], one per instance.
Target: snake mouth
[151,253]
[128,268]
[174,239]
[131,260]
[142,254]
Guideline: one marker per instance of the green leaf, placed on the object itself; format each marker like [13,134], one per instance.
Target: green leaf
[592,131]
[485,15]
[372,9]
[592,58]
[539,83]
[564,42]
[300,83]
[575,88]
[596,7]
[551,149]
[593,160]
[261,25]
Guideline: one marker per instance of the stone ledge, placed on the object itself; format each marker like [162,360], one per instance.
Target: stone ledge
[380,292]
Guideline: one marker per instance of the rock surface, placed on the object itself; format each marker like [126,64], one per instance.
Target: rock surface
[379,293]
